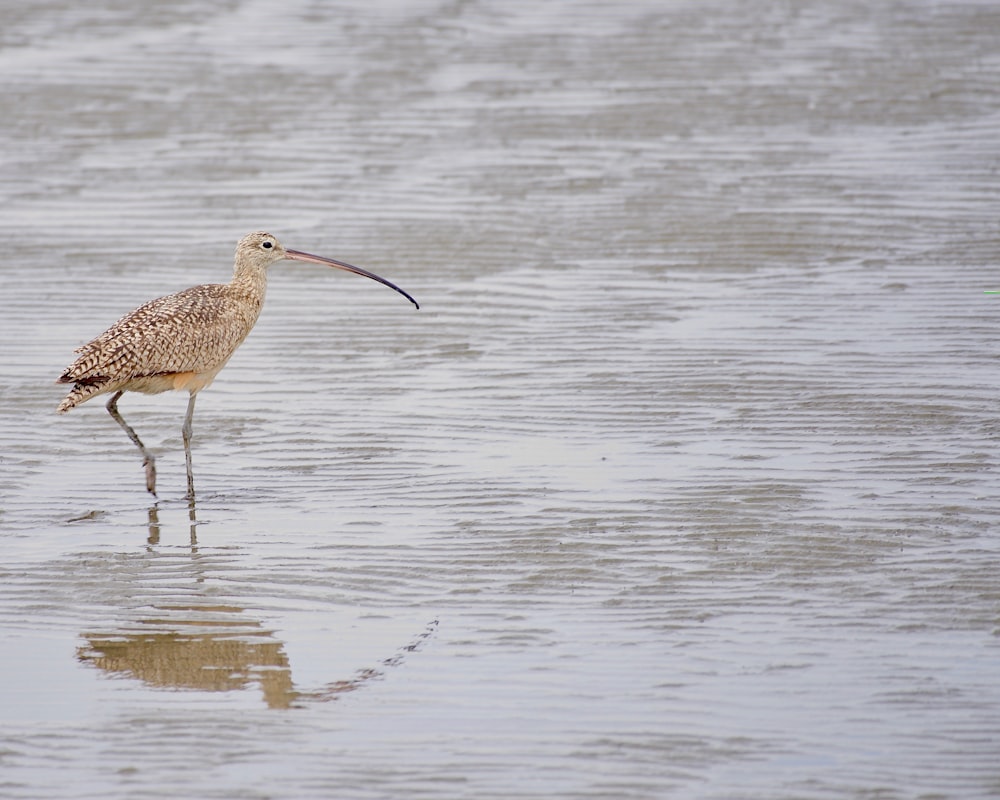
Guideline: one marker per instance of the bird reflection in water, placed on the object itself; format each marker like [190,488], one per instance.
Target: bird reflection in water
[197,647]
[211,648]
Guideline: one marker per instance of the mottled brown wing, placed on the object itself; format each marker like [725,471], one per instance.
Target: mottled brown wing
[191,331]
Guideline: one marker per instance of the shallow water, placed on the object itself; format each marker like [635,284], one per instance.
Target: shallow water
[681,483]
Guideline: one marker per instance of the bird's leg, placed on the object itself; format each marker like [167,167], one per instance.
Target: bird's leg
[186,436]
[147,458]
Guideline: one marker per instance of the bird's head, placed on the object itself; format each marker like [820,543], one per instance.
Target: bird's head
[257,251]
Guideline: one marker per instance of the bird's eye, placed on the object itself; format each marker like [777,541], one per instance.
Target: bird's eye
[266,245]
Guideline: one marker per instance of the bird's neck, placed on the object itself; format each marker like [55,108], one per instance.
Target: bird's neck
[250,282]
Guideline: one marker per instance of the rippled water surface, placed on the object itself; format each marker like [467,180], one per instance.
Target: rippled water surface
[681,483]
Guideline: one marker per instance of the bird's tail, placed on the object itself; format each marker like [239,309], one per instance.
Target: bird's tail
[82,391]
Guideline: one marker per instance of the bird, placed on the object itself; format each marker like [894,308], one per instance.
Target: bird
[181,341]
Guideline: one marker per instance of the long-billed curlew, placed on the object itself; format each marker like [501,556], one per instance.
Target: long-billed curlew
[181,341]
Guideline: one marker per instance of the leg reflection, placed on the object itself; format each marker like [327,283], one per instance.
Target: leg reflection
[154,524]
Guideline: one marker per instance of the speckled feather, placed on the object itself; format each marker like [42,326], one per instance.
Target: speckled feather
[196,330]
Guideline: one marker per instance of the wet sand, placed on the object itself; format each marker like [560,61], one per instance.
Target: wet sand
[681,483]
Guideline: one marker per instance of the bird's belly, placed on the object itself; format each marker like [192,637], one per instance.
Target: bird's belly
[171,381]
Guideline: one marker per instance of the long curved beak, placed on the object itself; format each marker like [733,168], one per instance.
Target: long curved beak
[298,255]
